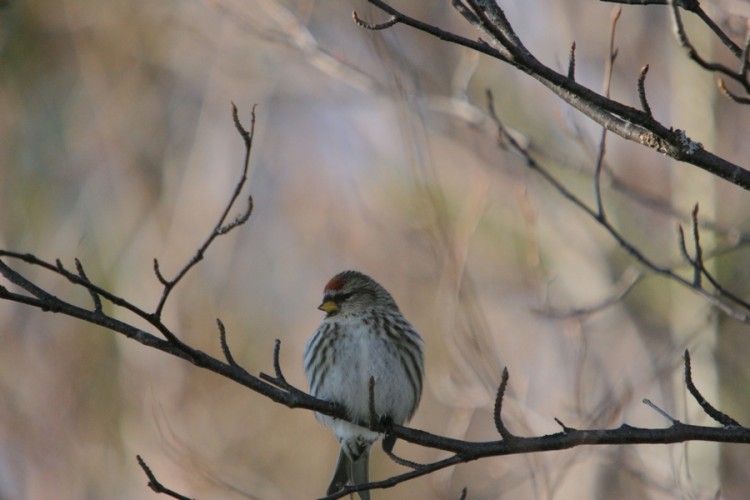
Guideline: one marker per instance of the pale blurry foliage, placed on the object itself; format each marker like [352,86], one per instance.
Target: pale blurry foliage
[117,146]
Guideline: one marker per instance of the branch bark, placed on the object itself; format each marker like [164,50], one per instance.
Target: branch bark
[623,120]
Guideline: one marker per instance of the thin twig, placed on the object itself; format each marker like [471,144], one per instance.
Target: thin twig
[94,296]
[52,301]
[572,62]
[642,91]
[690,6]
[692,52]
[278,379]
[731,95]
[683,249]
[661,412]
[224,346]
[698,267]
[745,56]
[625,284]
[497,413]
[402,461]
[565,428]
[513,145]
[221,227]
[372,26]
[712,412]
[154,483]
[608,69]
[276,362]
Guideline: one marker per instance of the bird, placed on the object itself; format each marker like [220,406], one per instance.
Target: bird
[362,337]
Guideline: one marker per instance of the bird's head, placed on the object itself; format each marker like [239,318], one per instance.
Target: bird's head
[353,292]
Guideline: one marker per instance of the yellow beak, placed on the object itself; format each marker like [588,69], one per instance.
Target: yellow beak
[328,306]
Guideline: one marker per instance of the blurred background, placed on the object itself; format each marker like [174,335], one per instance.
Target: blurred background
[373,151]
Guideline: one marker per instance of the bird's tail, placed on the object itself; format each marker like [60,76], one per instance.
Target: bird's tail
[350,471]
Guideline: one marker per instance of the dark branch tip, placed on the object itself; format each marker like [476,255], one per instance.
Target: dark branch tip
[707,407]
[277,363]
[642,91]
[497,413]
[238,125]
[154,483]
[565,428]
[224,345]
[572,62]
[373,26]
[159,275]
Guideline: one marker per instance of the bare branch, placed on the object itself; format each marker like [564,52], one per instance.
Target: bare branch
[742,314]
[565,428]
[692,53]
[154,483]
[624,285]
[497,413]
[371,26]
[690,6]
[278,379]
[625,121]
[221,227]
[698,268]
[661,412]
[731,95]
[401,461]
[745,56]
[712,412]
[608,68]
[94,296]
[572,62]
[224,346]
[642,91]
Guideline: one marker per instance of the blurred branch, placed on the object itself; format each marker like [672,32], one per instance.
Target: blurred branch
[740,52]
[689,6]
[608,68]
[279,390]
[625,284]
[623,120]
[740,76]
[627,122]
[733,306]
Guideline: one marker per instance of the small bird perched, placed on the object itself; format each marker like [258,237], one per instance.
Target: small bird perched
[363,335]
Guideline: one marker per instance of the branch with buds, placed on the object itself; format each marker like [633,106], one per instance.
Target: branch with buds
[500,41]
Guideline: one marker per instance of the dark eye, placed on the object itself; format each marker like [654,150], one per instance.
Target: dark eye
[343,296]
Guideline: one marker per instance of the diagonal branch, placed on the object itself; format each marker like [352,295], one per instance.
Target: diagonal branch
[154,483]
[627,122]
